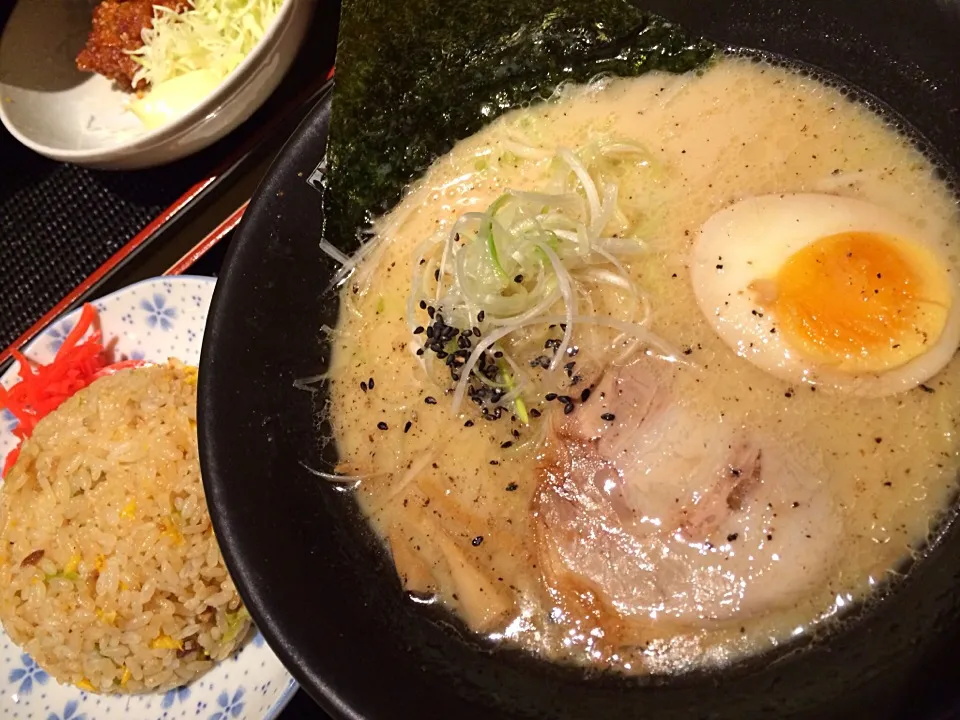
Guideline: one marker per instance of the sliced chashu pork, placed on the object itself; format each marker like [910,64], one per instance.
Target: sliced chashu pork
[661,513]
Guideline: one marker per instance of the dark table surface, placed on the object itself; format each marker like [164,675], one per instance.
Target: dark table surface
[60,222]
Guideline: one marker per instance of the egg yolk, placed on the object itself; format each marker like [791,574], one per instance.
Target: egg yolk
[860,301]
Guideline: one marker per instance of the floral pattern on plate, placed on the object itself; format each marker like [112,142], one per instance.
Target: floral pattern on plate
[152,320]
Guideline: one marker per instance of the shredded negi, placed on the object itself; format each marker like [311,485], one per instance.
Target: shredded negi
[81,359]
[485,294]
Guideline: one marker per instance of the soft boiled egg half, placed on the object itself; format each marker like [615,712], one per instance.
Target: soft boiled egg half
[828,290]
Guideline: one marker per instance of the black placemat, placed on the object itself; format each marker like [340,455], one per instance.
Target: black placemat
[59,223]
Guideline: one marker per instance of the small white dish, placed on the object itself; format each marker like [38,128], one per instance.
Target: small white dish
[153,320]
[72,116]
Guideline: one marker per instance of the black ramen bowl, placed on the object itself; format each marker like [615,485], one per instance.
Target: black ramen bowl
[319,584]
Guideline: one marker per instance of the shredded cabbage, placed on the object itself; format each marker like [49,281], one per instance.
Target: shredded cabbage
[214,35]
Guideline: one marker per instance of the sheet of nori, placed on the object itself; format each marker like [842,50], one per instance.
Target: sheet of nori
[413,77]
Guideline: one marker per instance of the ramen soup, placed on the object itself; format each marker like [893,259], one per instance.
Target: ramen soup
[659,372]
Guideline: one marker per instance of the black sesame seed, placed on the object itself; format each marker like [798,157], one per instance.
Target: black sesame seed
[468,423]
[609,417]
[585,395]
[506,444]
[565,399]
[498,354]
[436,274]
[406,428]
[370,383]
[382,425]
[423,304]
[518,279]
[419,351]
[534,413]
[430,400]
[441,354]
[568,408]
[418,329]
[511,487]
[477,541]
[363,385]
[449,333]
[550,396]
[494,462]
[463,342]
[430,332]
[731,537]
[480,316]
[431,311]
[769,537]
[476,332]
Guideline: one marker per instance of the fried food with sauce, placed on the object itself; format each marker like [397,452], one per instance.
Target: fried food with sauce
[117,30]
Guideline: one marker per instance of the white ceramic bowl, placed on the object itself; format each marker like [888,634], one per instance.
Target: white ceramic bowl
[71,116]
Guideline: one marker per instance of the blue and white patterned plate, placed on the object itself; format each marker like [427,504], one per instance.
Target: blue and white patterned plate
[153,320]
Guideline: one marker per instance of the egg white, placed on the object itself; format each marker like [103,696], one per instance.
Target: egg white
[753,238]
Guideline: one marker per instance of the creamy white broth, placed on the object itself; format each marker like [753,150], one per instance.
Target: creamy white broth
[459,511]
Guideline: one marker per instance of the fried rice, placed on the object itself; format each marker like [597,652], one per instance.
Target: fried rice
[110,574]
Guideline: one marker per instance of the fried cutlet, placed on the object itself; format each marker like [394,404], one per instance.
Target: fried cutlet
[117,28]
